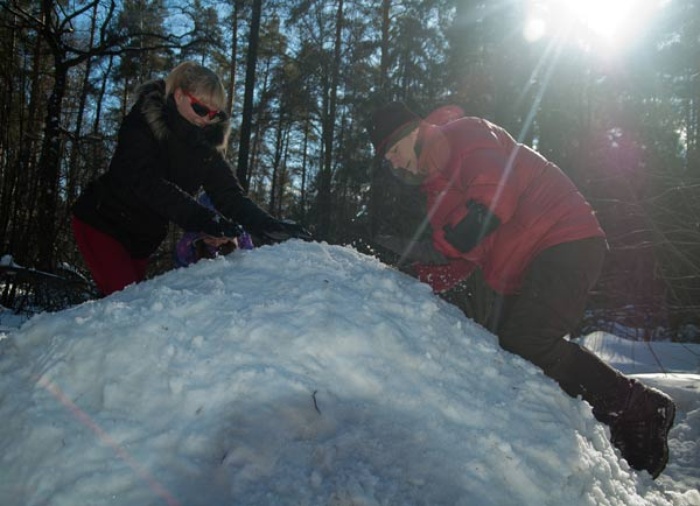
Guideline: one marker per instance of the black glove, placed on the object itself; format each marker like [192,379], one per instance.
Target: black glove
[408,269]
[409,250]
[221,227]
[278,231]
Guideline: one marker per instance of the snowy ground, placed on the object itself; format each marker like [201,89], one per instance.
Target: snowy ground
[309,374]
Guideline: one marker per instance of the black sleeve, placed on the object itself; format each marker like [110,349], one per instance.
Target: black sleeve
[229,199]
[477,224]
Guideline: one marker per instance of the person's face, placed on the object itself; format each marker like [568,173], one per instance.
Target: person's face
[402,154]
[199,110]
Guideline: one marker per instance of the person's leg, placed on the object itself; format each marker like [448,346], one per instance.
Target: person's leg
[110,264]
[140,266]
[550,305]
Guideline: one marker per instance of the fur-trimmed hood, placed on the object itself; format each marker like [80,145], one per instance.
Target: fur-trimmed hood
[161,115]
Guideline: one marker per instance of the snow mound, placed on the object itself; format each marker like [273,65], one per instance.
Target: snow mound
[299,374]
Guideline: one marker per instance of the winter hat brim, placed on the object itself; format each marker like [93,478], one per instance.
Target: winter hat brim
[389,124]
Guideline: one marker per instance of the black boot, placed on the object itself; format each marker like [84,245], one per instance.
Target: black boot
[639,417]
[640,429]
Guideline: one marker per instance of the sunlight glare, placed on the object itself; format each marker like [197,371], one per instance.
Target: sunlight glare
[535,28]
[603,17]
[591,22]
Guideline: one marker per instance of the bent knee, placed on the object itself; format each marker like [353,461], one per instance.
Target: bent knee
[543,352]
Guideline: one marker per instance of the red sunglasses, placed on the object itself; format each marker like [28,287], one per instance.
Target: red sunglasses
[202,110]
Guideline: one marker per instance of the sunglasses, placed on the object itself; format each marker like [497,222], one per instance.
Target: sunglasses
[202,110]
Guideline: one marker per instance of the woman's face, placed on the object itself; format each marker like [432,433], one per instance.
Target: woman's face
[200,110]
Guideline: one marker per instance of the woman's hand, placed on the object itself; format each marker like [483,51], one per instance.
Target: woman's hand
[217,242]
[279,230]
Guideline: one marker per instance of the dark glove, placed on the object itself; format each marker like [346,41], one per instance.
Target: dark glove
[408,269]
[221,227]
[411,250]
[278,231]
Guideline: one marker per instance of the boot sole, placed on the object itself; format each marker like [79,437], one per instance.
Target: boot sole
[670,416]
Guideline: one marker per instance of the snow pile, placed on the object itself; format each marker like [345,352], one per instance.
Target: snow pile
[302,374]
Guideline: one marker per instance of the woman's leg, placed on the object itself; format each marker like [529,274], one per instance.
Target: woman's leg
[110,264]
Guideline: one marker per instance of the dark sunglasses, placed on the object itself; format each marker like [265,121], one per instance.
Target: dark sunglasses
[202,110]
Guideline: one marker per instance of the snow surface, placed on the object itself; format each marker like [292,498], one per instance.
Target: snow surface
[310,374]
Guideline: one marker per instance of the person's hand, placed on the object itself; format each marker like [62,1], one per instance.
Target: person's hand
[217,242]
[408,269]
[410,250]
[208,246]
[278,231]
[222,228]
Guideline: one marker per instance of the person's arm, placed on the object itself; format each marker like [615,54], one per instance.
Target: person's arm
[228,197]
[486,182]
[411,250]
[468,233]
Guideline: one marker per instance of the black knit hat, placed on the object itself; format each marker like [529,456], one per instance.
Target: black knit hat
[390,123]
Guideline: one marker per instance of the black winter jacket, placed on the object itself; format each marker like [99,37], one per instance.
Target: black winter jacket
[161,161]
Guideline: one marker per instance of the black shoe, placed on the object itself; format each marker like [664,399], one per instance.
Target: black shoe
[640,432]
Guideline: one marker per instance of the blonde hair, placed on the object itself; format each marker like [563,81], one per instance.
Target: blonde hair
[196,79]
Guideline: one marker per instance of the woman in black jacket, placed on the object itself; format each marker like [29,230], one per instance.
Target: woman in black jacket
[170,145]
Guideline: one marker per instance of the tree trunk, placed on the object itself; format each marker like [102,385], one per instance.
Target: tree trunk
[49,166]
[375,195]
[247,120]
[275,175]
[325,203]
[234,55]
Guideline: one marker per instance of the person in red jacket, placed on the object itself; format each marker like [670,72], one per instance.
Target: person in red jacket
[498,205]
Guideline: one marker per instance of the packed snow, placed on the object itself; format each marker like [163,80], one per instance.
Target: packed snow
[310,374]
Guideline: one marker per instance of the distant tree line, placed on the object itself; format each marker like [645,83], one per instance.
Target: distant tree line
[303,76]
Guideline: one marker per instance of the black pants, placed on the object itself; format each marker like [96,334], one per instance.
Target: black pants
[550,304]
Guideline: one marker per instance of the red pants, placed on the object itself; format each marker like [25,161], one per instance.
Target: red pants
[111,265]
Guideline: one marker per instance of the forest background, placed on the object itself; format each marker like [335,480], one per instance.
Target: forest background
[621,119]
